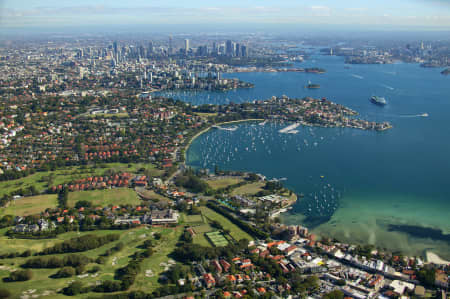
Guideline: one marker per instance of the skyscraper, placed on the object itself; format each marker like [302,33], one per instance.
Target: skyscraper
[244,51]
[186,46]
[238,50]
[229,48]
[150,47]
[115,47]
[170,48]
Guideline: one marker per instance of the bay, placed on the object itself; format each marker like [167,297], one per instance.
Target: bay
[380,180]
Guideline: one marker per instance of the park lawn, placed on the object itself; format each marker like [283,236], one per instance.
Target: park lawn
[201,240]
[108,115]
[205,114]
[223,183]
[193,219]
[235,231]
[200,237]
[165,246]
[248,189]
[115,196]
[65,175]
[152,195]
[30,205]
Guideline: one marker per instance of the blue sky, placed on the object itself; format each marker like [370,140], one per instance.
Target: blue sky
[62,13]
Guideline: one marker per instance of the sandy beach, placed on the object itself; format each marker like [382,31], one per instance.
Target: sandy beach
[435,259]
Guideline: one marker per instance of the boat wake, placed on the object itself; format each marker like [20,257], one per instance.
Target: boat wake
[387,86]
[416,115]
[357,76]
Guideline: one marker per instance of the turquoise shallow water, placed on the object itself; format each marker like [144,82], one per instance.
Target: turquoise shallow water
[371,180]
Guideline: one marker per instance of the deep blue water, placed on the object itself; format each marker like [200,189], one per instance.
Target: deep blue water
[409,161]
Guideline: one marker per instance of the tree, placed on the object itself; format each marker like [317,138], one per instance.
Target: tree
[65,272]
[427,276]
[83,203]
[336,294]
[73,289]
[19,275]
[4,293]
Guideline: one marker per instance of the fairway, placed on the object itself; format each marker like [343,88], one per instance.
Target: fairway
[131,239]
[223,183]
[116,196]
[30,205]
[159,261]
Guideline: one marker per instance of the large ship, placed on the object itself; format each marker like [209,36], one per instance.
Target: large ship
[312,86]
[378,100]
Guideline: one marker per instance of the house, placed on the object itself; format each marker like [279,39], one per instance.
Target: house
[209,280]
[261,290]
[43,224]
[399,286]
[164,217]
[290,250]
[33,228]
[231,278]
[226,266]
[419,291]
[21,228]
[217,266]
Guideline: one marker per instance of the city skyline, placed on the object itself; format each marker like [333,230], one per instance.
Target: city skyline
[51,14]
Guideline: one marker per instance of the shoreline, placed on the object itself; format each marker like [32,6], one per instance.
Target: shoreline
[432,257]
[186,147]
[429,256]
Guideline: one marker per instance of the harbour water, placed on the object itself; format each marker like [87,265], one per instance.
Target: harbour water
[384,188]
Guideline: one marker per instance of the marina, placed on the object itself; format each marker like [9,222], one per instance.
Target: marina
[366,198]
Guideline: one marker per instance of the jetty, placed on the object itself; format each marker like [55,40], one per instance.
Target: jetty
[290,129]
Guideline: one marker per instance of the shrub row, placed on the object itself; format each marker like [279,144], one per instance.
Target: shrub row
[252,230]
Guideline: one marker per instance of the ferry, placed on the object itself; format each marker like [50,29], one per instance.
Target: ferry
[378,100]
[312,86]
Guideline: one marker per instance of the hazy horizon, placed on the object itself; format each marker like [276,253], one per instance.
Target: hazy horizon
[46,16]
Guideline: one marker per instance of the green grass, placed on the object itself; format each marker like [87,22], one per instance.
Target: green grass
[40,179]
[235,231]
[223,183]
[131,239]
[152,195]
[108,115]
[30,205]
[165,246]
[117,196]
[205,114]
[41,281]
[248,189]
[18,245]
[217,239]
[204,228]
[193,219]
